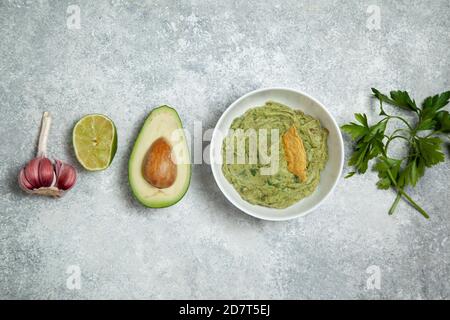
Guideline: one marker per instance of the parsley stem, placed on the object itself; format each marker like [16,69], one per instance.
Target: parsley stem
[404,194]
[398,130]
[388,117]
[394,205]
[391,138]
[414,204]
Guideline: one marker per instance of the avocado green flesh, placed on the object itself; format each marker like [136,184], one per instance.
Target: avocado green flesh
[283,188]
[161,122]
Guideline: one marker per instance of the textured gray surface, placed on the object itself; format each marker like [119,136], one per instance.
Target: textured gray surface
[199,56]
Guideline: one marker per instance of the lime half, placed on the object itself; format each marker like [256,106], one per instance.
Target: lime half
[95,141]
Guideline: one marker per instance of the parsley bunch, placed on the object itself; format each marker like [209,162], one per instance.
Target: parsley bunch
[421,138]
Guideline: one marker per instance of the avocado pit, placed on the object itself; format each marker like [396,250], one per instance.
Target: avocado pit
[158,169]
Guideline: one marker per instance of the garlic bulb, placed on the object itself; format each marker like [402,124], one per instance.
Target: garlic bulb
[41,175]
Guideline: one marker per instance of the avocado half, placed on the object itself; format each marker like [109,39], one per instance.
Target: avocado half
[162,122]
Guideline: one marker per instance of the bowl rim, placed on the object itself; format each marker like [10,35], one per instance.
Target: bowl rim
[216,173]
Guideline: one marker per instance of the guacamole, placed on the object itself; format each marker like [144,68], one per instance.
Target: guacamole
[281,188]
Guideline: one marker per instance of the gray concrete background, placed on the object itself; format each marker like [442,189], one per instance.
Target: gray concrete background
[199,56]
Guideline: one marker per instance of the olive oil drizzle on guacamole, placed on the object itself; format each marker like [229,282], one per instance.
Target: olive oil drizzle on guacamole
[283,188]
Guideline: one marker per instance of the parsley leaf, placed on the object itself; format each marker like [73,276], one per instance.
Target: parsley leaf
[369,141]
[413,171]
[355,130]
[429,150]
[436,102]
[430,118]
[400,99]
[387,168]
[442,119]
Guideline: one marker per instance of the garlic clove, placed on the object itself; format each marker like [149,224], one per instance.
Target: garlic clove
[23,182]
[66,175]
[32,172]
[46,173]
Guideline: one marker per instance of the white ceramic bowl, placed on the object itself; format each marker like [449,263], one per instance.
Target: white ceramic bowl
[296,100]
